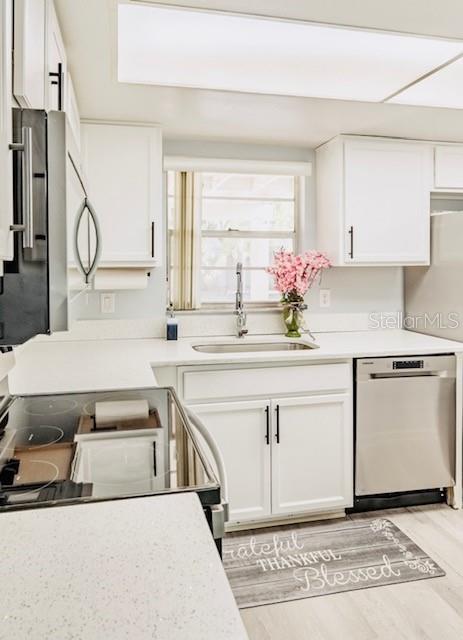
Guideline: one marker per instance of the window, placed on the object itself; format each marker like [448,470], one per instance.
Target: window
[219,219]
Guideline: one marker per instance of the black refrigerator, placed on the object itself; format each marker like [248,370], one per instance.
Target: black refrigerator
[33,288]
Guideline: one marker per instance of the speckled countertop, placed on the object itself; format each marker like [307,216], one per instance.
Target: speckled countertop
[95,365]
[133,569]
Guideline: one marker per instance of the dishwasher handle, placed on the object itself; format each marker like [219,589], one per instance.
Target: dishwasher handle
[406,374]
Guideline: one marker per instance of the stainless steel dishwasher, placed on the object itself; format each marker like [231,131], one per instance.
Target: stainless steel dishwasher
[405,426]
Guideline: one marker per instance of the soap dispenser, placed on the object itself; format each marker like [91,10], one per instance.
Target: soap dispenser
[172,324]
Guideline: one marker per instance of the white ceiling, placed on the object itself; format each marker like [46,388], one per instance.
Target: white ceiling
[214,50]
[90,33]
[442,89]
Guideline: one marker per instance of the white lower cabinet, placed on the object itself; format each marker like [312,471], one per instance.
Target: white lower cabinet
[284,456]
[241,432]
[311,454]
[120,461]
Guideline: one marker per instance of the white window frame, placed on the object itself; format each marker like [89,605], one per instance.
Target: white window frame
[300,170]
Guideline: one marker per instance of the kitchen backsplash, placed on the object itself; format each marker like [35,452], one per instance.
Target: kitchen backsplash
[356,294]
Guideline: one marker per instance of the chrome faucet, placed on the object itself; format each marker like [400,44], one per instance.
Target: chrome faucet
[240,313]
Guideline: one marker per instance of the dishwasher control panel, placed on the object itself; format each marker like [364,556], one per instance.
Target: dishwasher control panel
[408,364]
[401,366]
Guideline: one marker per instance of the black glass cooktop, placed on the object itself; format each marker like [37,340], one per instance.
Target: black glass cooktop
[99,446]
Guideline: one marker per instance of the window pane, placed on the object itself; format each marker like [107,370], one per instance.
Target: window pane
[170,212]
[242,185]
[170,183]
[252,252]
[220,286]
[247,215]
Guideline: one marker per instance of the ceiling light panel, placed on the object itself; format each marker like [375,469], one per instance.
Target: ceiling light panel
[185,48]
[442,89]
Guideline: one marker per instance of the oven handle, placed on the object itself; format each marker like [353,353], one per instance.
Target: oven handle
[212,444]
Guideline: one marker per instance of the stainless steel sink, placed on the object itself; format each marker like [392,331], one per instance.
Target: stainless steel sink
[244,347]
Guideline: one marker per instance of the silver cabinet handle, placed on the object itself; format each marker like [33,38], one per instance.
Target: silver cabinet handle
[27,227]
[90,271]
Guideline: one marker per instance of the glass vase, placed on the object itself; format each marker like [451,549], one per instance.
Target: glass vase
[293,319]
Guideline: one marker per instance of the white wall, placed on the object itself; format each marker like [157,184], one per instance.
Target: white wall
[354,291]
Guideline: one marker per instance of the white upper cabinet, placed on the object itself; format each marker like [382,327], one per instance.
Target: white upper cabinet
[6,180]
[373,201]
[29,53]
[123,166]
[448,167]
[55,62]
[39,77]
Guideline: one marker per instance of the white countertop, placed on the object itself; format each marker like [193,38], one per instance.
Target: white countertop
[84,365]
[95,365]
[331,346]
[142,568]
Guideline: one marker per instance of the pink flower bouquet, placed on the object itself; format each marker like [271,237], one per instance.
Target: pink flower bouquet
[293,276]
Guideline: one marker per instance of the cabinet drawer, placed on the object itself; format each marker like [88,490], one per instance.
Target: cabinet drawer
[238,383]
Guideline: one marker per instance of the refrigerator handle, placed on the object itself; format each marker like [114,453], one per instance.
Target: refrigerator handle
[27,226]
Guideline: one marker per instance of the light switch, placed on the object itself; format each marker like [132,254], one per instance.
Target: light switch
[107,302]
[325,297]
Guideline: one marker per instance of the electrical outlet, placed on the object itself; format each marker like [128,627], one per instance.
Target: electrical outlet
[325,297]
[107,302]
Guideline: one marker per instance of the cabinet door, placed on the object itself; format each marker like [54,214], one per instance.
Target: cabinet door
[123,165]
[6,177]
[240,430]
[56,64]
[387,189]
[448,167]
[116,465]
[311,454]
[29,76]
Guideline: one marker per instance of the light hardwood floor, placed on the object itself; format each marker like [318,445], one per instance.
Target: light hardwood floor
[425,610]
